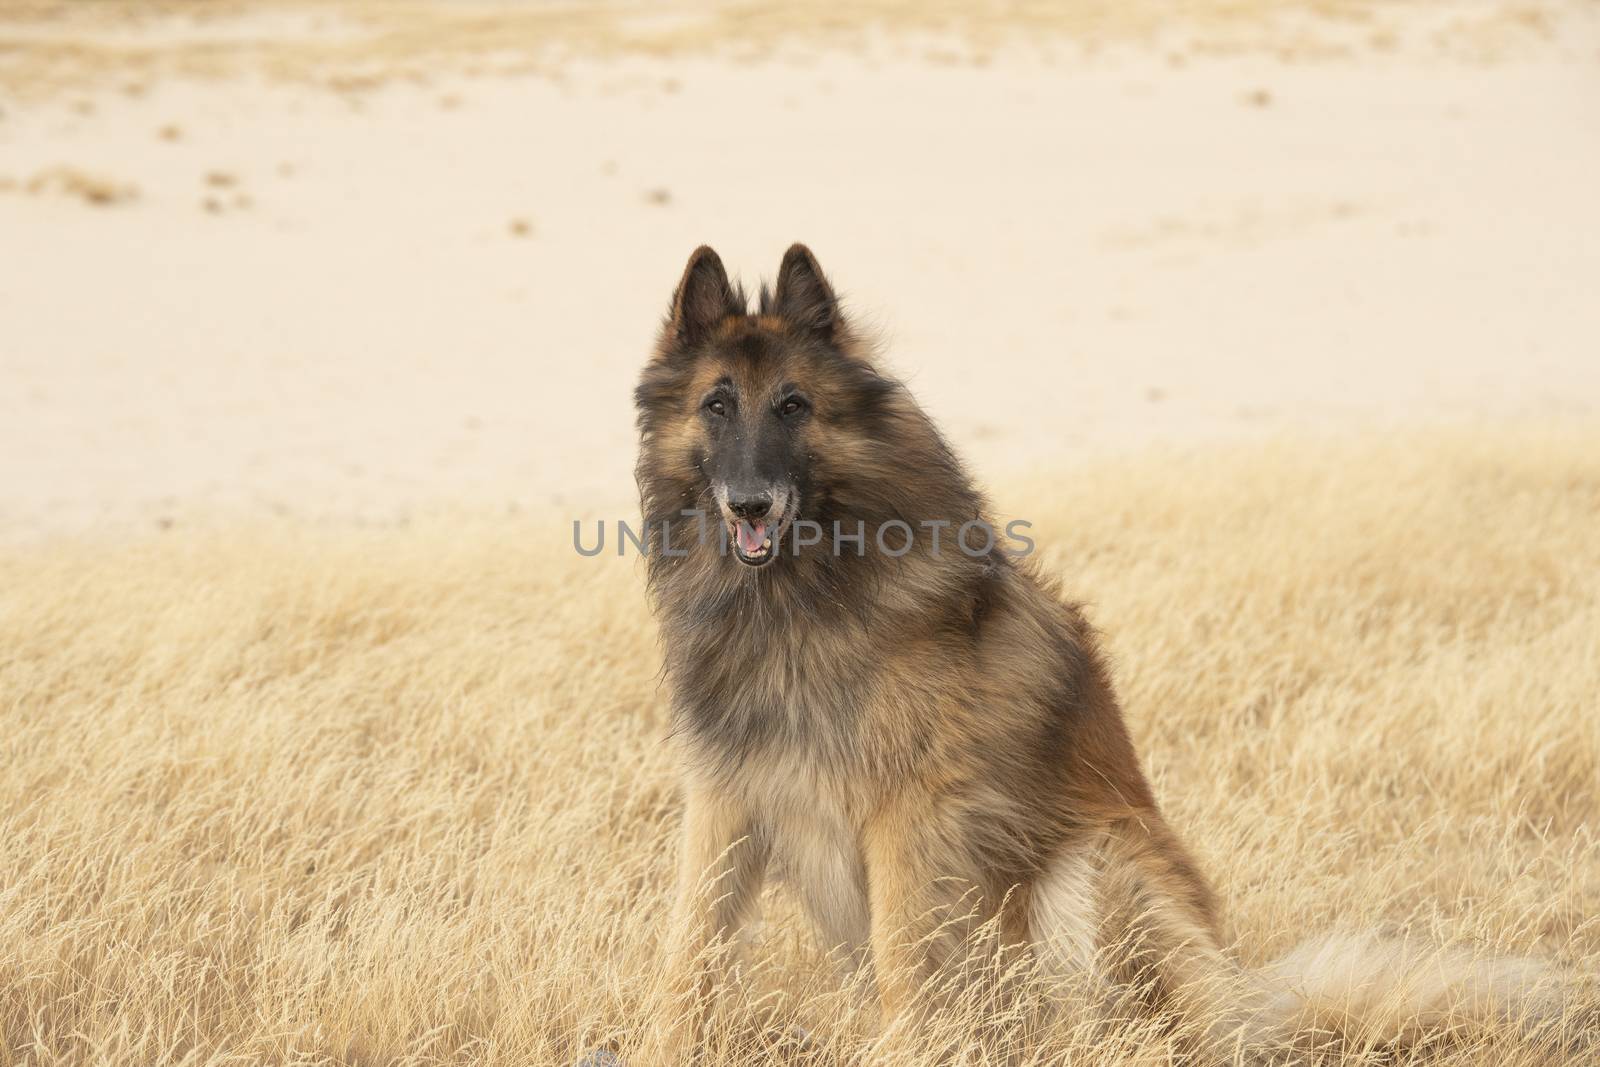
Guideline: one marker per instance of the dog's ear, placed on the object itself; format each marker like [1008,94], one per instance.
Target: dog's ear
[704,298]
[804,297]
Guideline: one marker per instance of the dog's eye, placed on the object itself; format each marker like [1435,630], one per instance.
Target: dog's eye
[716,406]
[793,406]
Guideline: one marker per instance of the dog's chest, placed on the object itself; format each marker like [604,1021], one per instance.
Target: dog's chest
[781,720]
[816,847]
[793,698]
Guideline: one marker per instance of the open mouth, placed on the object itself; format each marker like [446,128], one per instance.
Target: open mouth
[756,543]
[755,525]
[752,542]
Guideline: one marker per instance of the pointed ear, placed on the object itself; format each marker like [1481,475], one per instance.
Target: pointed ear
[804,296]
[704,298]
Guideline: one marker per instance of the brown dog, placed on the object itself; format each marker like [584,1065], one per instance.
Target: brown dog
[915,732]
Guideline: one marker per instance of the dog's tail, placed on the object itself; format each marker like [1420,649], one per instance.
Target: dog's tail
[1370,991]
[1129,912]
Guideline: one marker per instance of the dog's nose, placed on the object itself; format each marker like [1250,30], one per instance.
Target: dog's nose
[750,506]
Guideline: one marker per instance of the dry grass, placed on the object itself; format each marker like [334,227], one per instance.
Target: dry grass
[310,795]
[47,46]
[96,189]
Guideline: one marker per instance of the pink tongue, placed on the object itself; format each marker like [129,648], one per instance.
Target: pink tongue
[751,535]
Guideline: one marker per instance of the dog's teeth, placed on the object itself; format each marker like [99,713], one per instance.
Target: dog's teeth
[767,543]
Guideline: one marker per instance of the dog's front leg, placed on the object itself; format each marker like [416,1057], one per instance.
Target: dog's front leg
[923,897]
[721,865]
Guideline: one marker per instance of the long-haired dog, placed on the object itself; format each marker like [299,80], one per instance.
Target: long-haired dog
[912,728]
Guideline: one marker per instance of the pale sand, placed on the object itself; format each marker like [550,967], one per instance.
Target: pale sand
[1062,256]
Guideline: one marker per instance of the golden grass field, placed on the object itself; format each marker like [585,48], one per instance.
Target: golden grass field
[309,794]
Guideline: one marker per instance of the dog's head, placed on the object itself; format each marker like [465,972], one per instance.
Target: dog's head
[735,408]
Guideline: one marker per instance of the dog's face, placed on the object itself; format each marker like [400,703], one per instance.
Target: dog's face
[735,408]
[752,441]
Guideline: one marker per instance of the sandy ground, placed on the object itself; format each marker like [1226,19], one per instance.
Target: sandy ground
[252,295]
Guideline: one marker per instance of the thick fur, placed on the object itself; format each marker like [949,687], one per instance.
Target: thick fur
[920,743]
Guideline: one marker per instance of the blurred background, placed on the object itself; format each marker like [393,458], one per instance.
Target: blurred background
[349,260]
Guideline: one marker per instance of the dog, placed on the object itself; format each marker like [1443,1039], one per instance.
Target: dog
[922,741]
